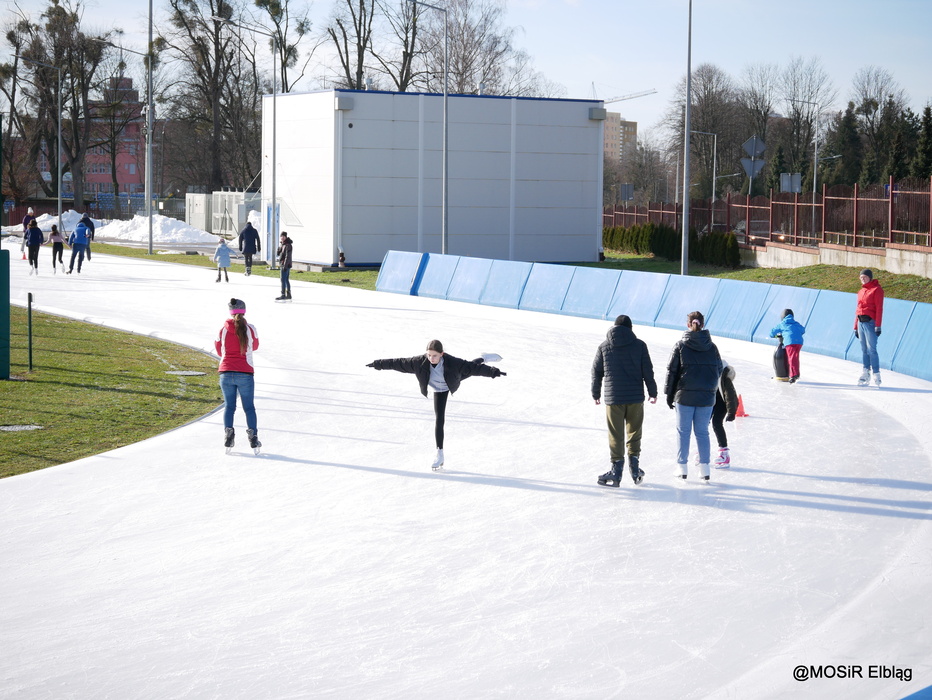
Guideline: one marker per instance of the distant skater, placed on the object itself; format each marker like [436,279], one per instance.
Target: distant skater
[868,315]
[34,240]
[284,263]
[249,245]
[443,373]
[692,378]
[724,411]
[222,258]
[792,332]
[27,218]
[235,344]
[78,242]
[91,232]
[58,246]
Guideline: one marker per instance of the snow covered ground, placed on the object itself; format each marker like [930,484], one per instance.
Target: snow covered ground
[336,564]
[165,229]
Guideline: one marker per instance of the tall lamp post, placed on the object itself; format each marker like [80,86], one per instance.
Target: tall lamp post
[57,155]
[444,210]
[271,238]
[149,111]
[815,154]
[684,261]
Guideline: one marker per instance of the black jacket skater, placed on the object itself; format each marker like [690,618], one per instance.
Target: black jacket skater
[455,370]
[693,371]
[623,362]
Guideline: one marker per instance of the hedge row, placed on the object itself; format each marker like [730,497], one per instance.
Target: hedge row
[716,248]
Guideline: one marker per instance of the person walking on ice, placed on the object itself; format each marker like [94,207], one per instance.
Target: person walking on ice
[724,411]
[868,315]
[58,247]
[222,258]
[284,264]
[34,240]
[692,378]
[792,332]
[249,245]
[620,371]
[235,344]
[443,373]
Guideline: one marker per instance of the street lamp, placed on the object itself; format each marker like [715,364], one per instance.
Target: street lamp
[684,263]
[57,155]
[271,236]
[443,175]
[815,154]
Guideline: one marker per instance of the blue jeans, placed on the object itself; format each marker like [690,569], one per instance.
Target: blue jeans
[689,419]
[286,281]
[868,337]
[243,383]
[77,250]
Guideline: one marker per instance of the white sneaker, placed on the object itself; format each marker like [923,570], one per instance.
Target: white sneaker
[723,461]
[438,462]
[877,378]
[865,378]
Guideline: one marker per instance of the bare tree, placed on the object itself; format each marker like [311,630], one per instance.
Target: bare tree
[350,30]
[807,93]
[757,97]
[285,24]
[875,93]
[396,53]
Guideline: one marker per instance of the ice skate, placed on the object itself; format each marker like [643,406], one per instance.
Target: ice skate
[491,357]
[723,461]
[613,477]
[876,378]
[637,474]
[438,461]
[865,378]
[681,470]
[253,440]
[229,436]
[704,472]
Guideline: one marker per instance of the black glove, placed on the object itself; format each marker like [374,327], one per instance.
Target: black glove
[729,418]
[856,333]
[877,331]
[670,403]
[496,372]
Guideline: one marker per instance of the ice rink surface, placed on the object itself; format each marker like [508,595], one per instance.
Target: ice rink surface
[336,564]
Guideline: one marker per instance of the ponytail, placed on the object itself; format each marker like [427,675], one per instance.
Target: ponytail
[695,320]
[242,332]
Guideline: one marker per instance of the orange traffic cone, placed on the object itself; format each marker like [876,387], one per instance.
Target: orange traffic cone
[740,412]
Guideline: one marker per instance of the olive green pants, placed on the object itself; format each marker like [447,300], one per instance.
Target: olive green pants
[624,419]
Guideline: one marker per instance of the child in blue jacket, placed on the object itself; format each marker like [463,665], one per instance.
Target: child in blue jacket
[792,332]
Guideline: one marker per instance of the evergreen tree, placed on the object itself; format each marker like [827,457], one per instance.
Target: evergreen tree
[777,166]
[897,164]
[845,141]
[922,163]
[870,173]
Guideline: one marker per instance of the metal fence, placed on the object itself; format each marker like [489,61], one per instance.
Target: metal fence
[871,217]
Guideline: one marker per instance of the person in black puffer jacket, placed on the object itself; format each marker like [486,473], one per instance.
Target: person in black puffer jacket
[692,380]
[443,373]
[621,369]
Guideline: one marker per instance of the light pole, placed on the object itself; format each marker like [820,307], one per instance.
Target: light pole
[149,111]
[684,262]
[57,155]
[443,174]
[815,155]
[271,237]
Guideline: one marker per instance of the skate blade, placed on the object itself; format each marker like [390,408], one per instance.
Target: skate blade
[229,450]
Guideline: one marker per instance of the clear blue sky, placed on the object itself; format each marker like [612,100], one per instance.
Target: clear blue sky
[622,46]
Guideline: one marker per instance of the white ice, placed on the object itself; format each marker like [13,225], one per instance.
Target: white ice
[336,564]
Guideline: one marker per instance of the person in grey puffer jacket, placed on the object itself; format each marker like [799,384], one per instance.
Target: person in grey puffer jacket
[692,380]
[620,371]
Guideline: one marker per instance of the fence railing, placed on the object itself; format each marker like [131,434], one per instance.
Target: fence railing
[872,217]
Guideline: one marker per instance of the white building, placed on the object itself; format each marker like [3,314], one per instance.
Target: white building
[360,171]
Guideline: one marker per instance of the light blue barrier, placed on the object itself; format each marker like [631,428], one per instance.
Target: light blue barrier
[896,316]
[505,284]
[591,292]
[399,271]
[436,275]
[546,287]
[638,295]
[683,295]
[828,327]
[736,309]
[469,279]
[742,310]
[912,353]
[780,297]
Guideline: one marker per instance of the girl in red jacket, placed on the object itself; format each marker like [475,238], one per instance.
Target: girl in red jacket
[235,344]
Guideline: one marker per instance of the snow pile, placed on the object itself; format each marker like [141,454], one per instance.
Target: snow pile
[164,230]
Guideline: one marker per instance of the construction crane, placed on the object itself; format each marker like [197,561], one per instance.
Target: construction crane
[633,95]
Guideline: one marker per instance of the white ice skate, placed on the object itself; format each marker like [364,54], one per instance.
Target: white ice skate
[491,357]
[876,378]
[723,461]
[865,378]
[438,461]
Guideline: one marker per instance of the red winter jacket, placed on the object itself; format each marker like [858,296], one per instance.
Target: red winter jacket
[232,358]
[870,303]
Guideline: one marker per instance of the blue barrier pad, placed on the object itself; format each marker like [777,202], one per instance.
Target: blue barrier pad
[505,283]
[398,272]
[829,326]
[682,295]
[469,279]
[896,317]
[736,309]
[591,292]
[638,295]
[436,276]
[780,297]
[912,350]
[546,287]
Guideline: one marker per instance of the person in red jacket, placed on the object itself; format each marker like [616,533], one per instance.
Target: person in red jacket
[235,344]
[868,317]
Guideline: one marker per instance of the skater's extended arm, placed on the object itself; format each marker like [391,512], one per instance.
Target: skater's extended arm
[408,365]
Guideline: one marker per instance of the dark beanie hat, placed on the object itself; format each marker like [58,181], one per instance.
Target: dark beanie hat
[787,312]
[623,321]
[237,305]
[867,273]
